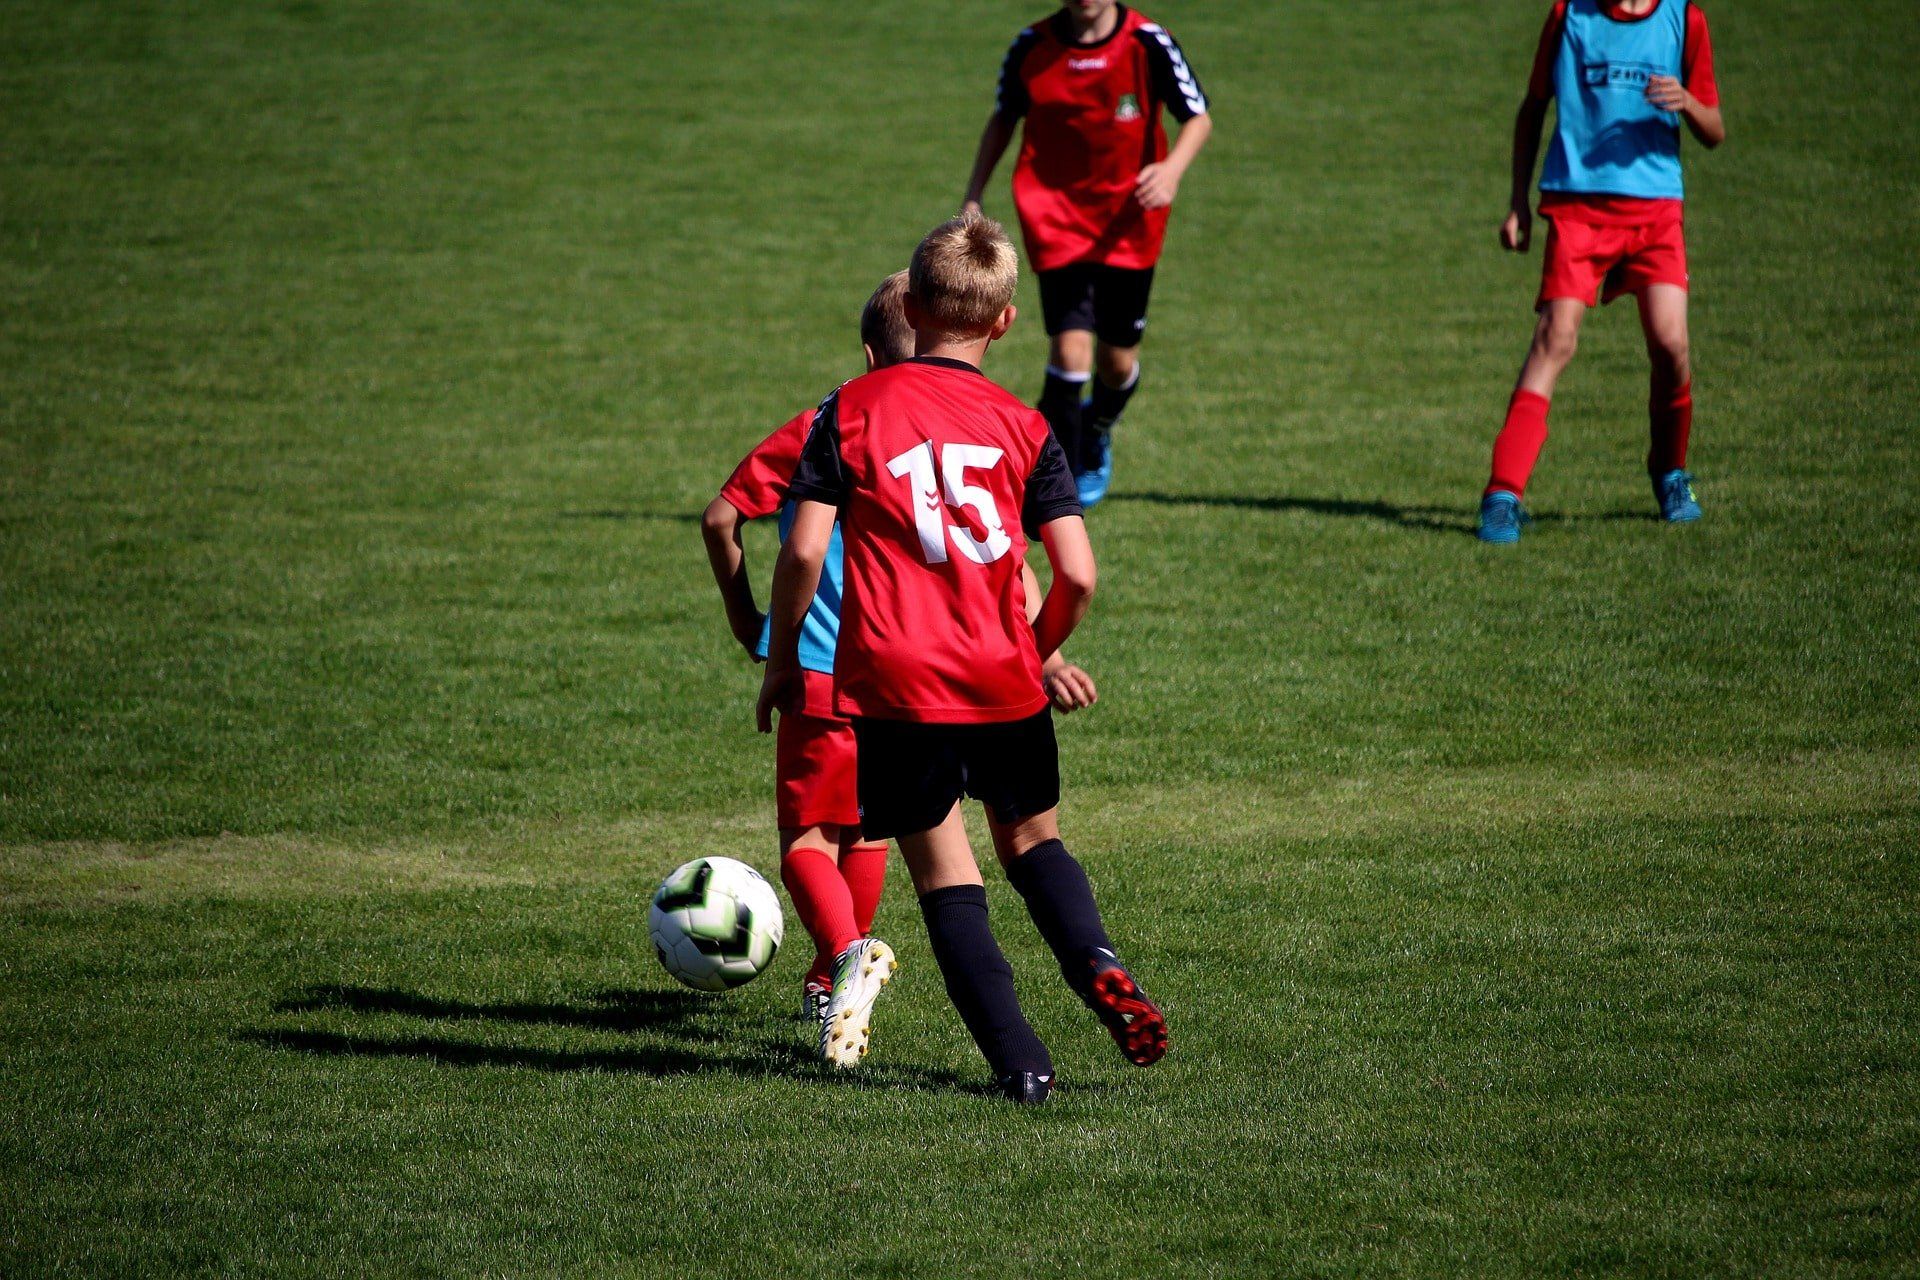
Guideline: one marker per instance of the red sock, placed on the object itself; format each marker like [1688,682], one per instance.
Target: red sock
[1670,413]
[1518,444]
[821,900]
[864,868]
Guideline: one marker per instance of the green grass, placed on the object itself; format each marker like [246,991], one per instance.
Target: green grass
[1540,911]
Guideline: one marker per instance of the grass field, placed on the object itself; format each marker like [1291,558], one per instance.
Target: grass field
[1548,910]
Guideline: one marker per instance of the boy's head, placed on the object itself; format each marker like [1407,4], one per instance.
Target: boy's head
[960,283]
[884,332]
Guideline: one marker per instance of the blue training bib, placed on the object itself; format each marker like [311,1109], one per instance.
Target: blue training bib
[1609,140]
[820,632]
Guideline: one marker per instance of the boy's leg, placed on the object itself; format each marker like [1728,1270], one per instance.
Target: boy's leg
[1663,320]
[979,979]
[1060,900]
[1066,304]
[809,868]
[863,865]
[1556,335]
[1119,319]
[815,802]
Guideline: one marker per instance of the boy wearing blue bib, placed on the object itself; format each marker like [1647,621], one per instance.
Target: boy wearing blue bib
[1624,75]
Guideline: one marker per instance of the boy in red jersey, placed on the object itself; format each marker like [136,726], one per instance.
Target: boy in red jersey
[1625,73]
[833,877]
[1093,184]
[938,665]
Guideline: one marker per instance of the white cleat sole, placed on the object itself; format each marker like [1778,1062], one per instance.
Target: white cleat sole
[847,1029]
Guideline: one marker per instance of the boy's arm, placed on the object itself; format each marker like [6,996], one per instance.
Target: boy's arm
[1068,686]
[796,576]
[1074,575]
[1697,101]
[1174,85]
[1516,233]
[994,140]
[1009,104]
[720,526]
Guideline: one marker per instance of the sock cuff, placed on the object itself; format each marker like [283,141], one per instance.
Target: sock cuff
[1523,396]
[801,850]
[1055,371]
[868,846]
[1133,380]
[954,895]
[1034,862]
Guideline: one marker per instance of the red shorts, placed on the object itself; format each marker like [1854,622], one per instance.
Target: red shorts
[1596,262]
[815,762]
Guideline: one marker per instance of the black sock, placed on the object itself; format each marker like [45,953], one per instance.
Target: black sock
[1060,405]
[980,981]
[1109,403]
[1061,903]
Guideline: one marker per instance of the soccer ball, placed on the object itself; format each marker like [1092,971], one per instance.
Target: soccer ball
[716,924]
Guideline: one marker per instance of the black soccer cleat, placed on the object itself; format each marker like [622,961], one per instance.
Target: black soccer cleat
[1028,1088]
[1134,1021]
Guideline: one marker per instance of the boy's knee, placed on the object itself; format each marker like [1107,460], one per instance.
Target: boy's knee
[1114,364]
[1072,351]
[1556,339]
[1672,361]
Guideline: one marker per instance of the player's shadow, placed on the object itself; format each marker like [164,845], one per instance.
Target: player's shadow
[1452,520]
[687,1018]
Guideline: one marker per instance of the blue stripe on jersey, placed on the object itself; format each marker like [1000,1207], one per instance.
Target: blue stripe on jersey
[1609,140]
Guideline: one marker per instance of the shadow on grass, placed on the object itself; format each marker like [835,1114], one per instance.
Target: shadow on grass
[676,1013]
[1455,520]
[605,1010]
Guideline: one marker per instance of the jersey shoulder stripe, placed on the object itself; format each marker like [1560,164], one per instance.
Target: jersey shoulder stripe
[1191,95]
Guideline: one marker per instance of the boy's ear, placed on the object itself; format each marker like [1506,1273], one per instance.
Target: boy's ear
[1003,323]
[910,307]
[873,361]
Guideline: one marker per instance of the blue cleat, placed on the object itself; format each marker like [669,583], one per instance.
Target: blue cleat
[1501,517]
[1097,479]
[1674,492]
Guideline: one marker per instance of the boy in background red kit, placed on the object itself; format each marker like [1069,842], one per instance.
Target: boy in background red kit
[833,877]
[1625,74]
[1094,184]
[922,465]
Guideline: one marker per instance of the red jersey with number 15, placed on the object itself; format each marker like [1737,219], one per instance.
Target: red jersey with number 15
[941,476]
[1093,122]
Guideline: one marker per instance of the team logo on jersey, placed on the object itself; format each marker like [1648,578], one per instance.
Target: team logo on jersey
[1632,76]
[1087,64]
[1129,108]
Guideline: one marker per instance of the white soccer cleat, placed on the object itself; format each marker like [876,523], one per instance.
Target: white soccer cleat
[859,975]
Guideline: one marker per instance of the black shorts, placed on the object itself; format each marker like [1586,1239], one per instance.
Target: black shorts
[1111,301]
[911,774]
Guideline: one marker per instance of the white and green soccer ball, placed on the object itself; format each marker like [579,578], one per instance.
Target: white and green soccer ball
[716,924]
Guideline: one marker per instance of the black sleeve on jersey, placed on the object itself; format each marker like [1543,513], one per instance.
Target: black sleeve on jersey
[1011,100]
[1173,80]
[1051,492]
[820,477]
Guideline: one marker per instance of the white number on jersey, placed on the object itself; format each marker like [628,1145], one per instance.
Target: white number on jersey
[929,515]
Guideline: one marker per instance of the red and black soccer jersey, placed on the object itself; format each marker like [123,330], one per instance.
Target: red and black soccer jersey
[1093,122]
[927,460]
[758,485]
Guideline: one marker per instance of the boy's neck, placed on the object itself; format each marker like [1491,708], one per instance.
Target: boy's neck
[973,353]
[1633,8]
[1097,30]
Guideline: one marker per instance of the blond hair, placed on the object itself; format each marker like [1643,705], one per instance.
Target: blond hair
[883,322]
[963,275]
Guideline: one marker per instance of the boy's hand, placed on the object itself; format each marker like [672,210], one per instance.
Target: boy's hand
[747,632]
[1516,233]
[1157,185]
[1667,93]
[1068,687]
[780,690]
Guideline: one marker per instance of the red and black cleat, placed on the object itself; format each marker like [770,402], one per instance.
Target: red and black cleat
[1134,1021]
